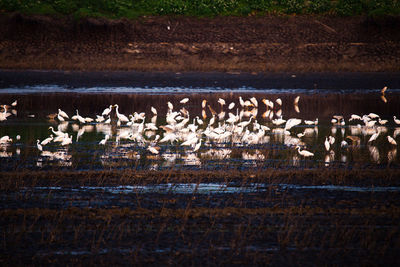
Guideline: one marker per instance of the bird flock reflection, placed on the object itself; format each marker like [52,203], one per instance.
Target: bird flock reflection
[239,133]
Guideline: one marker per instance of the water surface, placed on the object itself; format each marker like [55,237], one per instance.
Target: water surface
[224,145]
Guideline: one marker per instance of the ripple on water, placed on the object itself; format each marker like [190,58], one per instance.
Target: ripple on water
[212,188]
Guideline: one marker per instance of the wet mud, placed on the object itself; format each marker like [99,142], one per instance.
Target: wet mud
[88,218]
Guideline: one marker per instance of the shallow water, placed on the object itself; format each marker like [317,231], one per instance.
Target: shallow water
[210,188]
[223,145]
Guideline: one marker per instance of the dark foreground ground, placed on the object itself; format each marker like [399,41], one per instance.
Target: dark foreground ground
[227,44]
[48,218]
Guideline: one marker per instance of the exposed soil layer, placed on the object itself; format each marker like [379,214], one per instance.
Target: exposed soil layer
[250,44]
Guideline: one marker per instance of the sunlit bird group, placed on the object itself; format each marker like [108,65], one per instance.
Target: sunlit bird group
[220,125]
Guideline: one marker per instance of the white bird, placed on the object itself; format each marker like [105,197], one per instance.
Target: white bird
[153,149]
[311,122]
[296,108]
[203,103]
[150,126]
[304,153]
[120,116]
[3,115]
[355,117]
[212,120]
[78,117]
[99,118]
[13,104]
[382,122]
[81,131]
[231,106]
[192,139]
[291,123]
[268,103]
[107,111]
[38,145]
[184,101]
[391,140]
[60,118]
[197,147]
[370,123]
[88,120]
[67,140]
[171,137]
[63,114]
[300,135]
[199,121]
[373,115]
[344,144]
[154,110]
[397,121]
[59,138]
[5,139]
[170,106]
[296,100]
[327,144]
[254,101]
[374,136]
[103,141]
[279,101]
[221,102]
[241,102]
[278,121]
[58,133]
[47,140]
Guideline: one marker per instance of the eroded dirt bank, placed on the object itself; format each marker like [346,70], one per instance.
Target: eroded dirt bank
[250,44]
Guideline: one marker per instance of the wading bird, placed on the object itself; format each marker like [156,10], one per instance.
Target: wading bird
[38,145]
[122,117]
[47,140]
[107,111]
[391,140]
[304,153]
[397,121]
[184,101]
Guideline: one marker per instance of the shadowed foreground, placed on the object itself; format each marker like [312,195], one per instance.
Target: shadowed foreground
[77,217]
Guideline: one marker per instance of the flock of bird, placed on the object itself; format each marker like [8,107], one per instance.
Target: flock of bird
[237,128]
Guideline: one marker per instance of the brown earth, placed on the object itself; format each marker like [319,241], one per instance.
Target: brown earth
[231,44]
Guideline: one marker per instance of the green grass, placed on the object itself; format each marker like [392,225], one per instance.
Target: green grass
[199,8]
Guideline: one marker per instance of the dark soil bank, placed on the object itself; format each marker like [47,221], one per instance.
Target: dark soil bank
[251,44]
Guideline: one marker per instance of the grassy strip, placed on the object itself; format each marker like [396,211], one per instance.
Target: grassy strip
[202,8]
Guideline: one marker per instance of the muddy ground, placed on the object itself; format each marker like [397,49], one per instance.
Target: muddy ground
[229,44]
[48,218]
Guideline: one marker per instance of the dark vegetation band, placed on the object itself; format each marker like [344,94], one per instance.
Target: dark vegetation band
[200,8]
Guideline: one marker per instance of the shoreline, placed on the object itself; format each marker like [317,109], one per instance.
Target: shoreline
[232,80]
